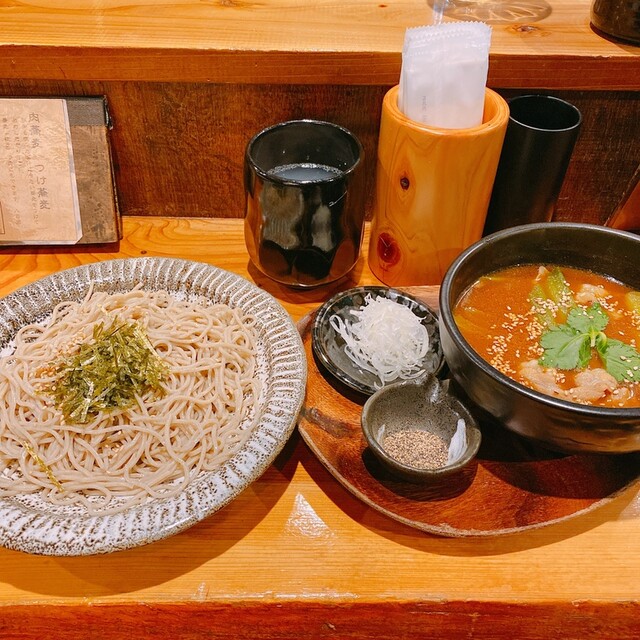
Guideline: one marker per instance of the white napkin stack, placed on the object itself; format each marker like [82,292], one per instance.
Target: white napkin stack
[444,74]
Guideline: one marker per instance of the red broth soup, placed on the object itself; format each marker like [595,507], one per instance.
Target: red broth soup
[566,332]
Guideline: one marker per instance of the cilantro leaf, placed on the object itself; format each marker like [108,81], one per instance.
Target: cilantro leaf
[568,346]
[565,348]
[621,360]
[590,320]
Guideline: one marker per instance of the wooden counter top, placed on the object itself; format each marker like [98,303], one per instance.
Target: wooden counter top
[297,556]
[351,42]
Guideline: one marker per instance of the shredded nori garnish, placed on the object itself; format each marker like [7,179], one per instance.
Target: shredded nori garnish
[43,465]
[107,373]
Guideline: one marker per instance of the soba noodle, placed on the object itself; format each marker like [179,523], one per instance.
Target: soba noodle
[157,446]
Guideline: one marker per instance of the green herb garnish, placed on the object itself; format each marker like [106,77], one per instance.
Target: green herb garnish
[570,345]
[108,373]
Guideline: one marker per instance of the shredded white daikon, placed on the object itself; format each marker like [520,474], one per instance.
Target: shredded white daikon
[386,338]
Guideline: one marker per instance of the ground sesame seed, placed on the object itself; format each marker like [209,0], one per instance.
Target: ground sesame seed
[417,448]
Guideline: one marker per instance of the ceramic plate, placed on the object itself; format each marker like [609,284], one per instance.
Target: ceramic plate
[29,524]
[328,346]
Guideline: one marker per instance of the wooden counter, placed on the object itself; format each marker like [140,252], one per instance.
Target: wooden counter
[297,556]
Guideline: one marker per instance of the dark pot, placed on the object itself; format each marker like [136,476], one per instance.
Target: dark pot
[560,424]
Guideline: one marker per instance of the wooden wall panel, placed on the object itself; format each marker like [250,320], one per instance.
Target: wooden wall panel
[178,147]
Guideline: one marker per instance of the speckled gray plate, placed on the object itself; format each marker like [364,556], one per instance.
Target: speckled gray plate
[29,524]
[328,346]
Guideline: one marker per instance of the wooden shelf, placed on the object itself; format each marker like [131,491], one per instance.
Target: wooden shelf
[189,82]
[350,42]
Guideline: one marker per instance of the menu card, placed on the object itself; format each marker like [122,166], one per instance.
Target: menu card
[38,191]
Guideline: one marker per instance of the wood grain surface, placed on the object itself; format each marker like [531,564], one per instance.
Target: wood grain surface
[298,556]
[432,191]
[542,43]
[189,82]
[178,148]
[419,620]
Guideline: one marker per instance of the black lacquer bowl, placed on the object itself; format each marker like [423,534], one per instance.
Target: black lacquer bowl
[559,424]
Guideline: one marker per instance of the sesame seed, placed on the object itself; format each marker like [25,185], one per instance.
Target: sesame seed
[417,448]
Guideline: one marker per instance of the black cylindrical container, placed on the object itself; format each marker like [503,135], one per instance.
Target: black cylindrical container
[538,144]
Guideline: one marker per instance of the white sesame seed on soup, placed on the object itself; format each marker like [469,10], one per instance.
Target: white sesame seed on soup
[566,332]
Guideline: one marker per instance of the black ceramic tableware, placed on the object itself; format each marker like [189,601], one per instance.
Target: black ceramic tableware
[538,145]
[425,407]
[304,187]
[557,423]
[329,347]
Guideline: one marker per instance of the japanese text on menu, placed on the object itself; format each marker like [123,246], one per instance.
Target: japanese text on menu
[38,192]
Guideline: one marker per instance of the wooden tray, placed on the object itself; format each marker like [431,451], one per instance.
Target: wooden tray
[515,485]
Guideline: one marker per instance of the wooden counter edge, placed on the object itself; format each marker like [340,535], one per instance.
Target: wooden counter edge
[311,620]
[265,618]
[597,69]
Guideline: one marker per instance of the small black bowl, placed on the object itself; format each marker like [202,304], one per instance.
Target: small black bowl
[559,424]
[419,405]
[329,347]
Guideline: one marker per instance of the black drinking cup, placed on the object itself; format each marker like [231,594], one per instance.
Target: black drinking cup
[304,215]
[538,144]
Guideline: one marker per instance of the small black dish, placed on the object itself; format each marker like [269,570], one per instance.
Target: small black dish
[428,406]
[329,347]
